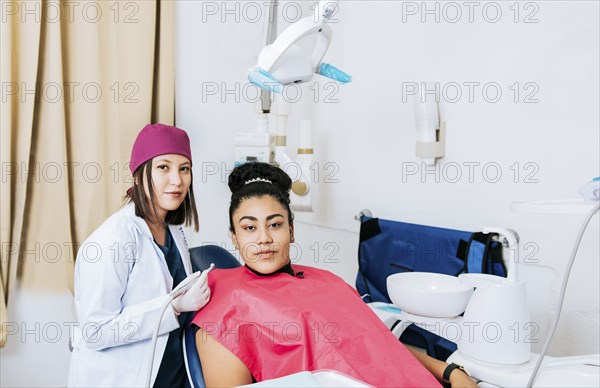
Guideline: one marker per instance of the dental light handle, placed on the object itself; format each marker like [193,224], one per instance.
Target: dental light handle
[181,288]
[513,246]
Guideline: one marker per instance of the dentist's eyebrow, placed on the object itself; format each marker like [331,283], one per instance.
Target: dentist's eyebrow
[166,160]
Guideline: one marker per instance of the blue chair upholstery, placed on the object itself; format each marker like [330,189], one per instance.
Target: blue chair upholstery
[201,258]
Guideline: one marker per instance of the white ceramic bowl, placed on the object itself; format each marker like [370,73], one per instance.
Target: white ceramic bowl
[429,294]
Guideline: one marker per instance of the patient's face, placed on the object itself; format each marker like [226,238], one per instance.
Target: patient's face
[262,233]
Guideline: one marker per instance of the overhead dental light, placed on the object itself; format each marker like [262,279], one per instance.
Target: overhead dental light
[283,62]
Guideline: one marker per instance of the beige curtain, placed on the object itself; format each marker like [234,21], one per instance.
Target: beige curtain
[79,80]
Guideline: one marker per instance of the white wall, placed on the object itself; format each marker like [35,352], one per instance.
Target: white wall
[365,144]
[365,138]
[37,350]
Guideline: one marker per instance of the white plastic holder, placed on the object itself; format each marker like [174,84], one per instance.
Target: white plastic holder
[496,323]
[431,150]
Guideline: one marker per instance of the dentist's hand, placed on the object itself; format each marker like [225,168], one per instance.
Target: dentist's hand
[196,297]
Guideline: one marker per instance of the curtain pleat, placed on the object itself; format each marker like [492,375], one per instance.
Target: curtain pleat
[86,82]
[18,71]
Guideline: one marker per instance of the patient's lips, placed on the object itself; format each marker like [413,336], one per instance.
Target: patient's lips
[265,254]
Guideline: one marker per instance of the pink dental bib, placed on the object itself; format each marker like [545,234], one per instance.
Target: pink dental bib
[280,324]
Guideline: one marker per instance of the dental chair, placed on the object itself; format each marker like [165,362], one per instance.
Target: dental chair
[201,258]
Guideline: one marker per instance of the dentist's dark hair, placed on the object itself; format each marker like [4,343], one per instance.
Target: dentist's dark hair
[248,181]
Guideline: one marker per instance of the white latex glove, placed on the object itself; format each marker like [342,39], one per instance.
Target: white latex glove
[196,297]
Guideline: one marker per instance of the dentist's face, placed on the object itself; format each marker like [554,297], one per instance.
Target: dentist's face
[262,233]
[171,179]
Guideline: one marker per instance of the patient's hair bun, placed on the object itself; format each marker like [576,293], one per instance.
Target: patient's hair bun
[257,179]
[258,173]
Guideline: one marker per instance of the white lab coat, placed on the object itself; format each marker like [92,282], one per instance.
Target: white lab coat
[121,282]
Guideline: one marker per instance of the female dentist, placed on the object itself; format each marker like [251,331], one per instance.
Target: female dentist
[127,267]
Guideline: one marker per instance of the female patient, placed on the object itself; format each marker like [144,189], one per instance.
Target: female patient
[269,319]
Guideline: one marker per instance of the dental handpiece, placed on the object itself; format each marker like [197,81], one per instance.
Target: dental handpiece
[188,282]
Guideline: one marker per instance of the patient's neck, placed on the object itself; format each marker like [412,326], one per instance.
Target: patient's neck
[285,269]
